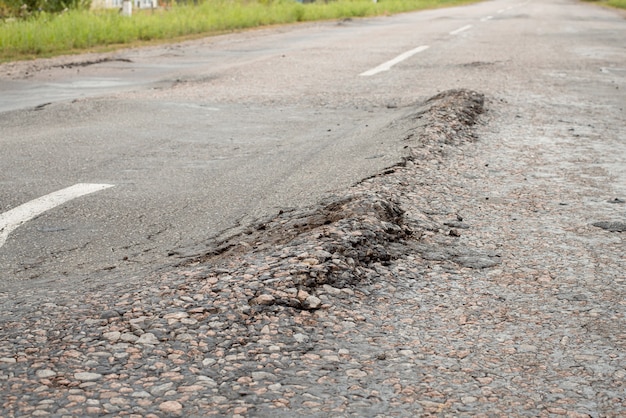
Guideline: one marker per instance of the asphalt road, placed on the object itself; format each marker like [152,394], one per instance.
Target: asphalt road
[199,137]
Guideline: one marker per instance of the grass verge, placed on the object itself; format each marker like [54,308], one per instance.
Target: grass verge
[619,4]
[78,31]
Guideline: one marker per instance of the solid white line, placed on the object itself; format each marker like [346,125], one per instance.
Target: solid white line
[23,213]
[387,65]
[486,18]
[459,30]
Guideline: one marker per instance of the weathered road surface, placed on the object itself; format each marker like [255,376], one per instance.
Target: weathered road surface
[484,276]
[221,131]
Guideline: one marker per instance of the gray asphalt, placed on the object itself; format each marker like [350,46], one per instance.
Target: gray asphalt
[206,135]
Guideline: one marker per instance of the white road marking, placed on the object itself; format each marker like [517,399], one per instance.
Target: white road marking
[486,18]
[459,30]
[15,217]
[387,65]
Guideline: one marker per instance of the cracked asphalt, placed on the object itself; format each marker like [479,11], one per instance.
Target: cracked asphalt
[381,246]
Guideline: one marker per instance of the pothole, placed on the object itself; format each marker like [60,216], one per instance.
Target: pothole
[342,242]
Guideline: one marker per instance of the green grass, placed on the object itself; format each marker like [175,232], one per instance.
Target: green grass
[620,4]
[617,3]
[76,31]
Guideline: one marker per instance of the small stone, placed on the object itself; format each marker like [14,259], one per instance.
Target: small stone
[219,399]
[110,314]
[574,414]
[240,410]
[301,338]
[263,376]
[475,262]
[207,381]
[147,338]
[357,373]
[208,362]
[111,408]
[87,376]
[484,380]
[112,336]
[432,405]
[468,399]
[184,337]
[118,400]
[190,388]
[312,302]
[176,315]
[611,226]
[128,337]
[45,373]
[171,407]
[161,389]
[302,295]
[527,348]
[333,291]
[263,300]
[7,360]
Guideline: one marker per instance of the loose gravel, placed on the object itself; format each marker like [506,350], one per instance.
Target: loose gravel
[468,280]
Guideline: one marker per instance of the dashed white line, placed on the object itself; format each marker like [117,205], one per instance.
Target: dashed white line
[459,30]
[15,217]
[387,65]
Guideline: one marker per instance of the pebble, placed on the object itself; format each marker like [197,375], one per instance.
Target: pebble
[112,336]
[87,376]
[45,373]
[171,407]
[356,373]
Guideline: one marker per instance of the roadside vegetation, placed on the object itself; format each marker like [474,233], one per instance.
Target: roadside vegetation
[617,3]
[70,26]
[620,4]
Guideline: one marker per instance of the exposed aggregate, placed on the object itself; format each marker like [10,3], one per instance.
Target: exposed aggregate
[453,284]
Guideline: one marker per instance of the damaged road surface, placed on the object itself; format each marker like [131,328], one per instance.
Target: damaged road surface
[442,238]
